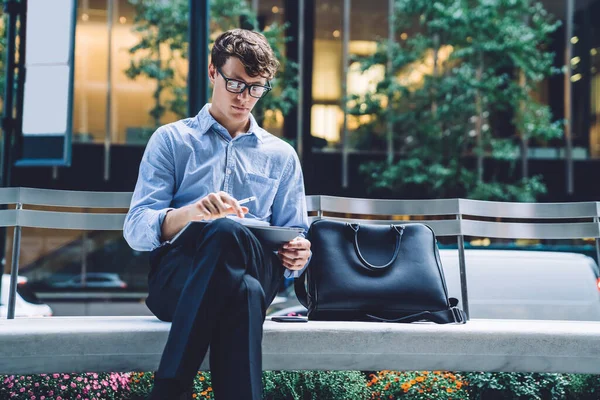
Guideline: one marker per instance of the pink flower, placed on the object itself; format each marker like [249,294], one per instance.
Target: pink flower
[63,387]
[104,382]
[22,390]
[79,379]
[59,398]
[95,376]
[36,384]
[66,376]
[73,385]
[32,398]
[51,393]
[55,376]
[42,397]
[10,385]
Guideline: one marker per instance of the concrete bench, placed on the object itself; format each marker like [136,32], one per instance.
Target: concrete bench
[86,344]
[135,343]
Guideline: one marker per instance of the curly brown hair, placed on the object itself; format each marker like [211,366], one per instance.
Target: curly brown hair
[250,47]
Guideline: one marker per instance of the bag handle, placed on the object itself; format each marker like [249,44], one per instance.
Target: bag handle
[399,231]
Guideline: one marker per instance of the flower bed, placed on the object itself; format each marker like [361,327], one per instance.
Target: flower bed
[318,385]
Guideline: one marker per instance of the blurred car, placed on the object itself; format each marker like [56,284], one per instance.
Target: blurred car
[512,284]
[26,303]
[92,280]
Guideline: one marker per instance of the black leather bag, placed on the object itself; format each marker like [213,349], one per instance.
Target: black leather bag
[366,272]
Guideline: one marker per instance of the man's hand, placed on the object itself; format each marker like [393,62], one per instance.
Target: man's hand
[295,253]
[216,205]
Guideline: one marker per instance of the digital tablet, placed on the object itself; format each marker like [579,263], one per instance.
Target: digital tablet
[271,236]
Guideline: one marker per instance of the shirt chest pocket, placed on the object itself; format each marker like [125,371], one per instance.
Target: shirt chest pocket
[264,188]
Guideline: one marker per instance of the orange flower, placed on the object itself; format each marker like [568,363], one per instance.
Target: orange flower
[209,389]
[449,390]
[420,390]
[202,378]
[194,395]
[203,393]
[459,384]
[396,379]
[419,379]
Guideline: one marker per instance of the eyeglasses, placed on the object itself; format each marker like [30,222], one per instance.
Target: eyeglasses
[235,86]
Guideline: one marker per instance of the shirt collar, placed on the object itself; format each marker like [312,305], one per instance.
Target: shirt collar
[207,121]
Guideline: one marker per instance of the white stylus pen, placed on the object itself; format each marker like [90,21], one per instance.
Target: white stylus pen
[246,200]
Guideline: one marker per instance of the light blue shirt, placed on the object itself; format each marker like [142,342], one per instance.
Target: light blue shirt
[188,159]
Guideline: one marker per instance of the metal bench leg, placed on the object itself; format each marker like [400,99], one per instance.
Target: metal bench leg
[463,273]
[14,270]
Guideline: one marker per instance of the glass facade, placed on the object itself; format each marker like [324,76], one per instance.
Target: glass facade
[111,107]
[108,104]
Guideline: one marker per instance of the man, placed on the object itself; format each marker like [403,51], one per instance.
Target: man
[216,287]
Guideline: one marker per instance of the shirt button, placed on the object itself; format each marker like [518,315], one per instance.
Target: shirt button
[228,171]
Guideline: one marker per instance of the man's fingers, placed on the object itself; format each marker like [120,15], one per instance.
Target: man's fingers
[210,207]
[297,244]
[294,257]
[232,205]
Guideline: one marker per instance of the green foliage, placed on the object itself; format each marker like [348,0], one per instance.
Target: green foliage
[490,59]
[140,385]
[314,385]
[516,386]
[162,49]
[583,387]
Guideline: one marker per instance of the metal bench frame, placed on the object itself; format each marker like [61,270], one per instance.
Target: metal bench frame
[461,211]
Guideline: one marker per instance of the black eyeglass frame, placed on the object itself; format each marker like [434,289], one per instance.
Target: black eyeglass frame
[246,86]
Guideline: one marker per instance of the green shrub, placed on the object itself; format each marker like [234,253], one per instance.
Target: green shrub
[583,387]
[314,385]
[516,386]
[141,383]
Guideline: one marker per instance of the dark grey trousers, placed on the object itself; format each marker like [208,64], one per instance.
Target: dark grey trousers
[215,290]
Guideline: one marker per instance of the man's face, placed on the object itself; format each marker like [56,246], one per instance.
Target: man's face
[235,107]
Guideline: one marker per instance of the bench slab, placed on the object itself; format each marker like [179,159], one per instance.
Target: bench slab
[103,344]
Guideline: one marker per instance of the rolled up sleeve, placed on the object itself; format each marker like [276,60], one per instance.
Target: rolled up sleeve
[289,206]
[152,196]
